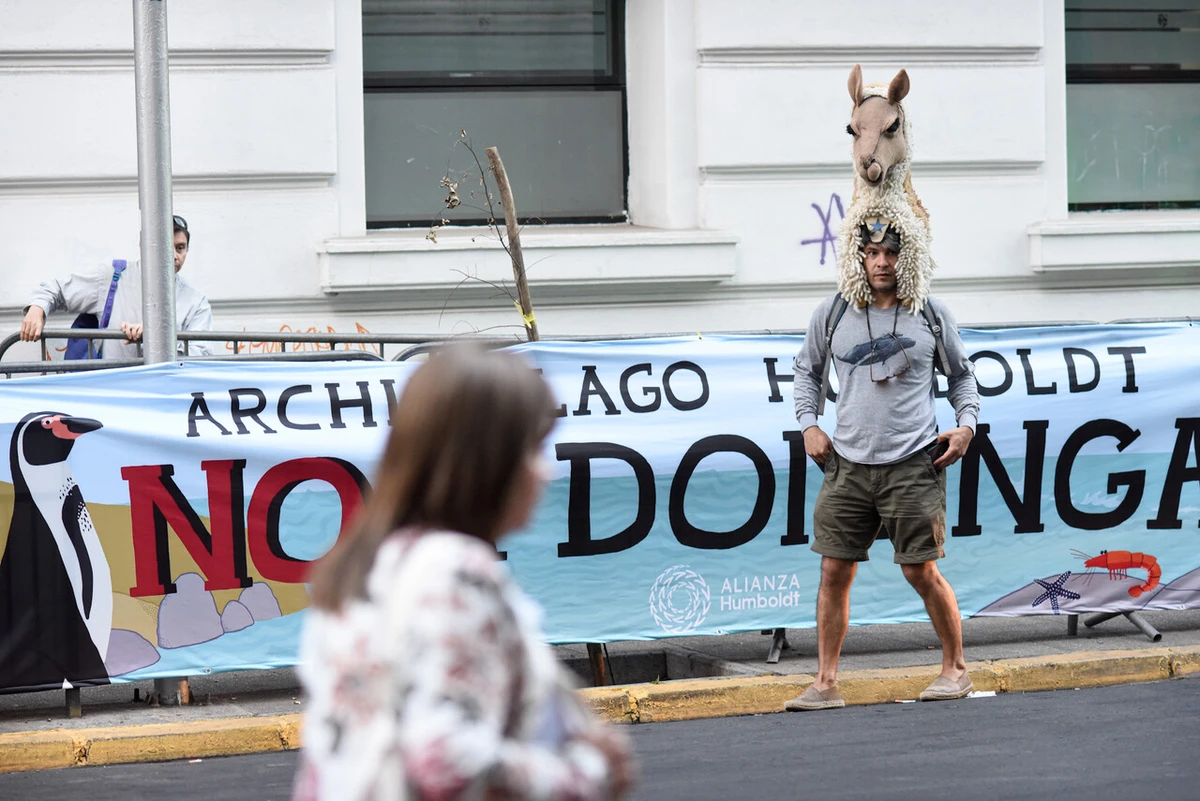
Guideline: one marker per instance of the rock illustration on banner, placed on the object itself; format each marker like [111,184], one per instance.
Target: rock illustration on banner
[189,616]
[1180,593]
[129,651]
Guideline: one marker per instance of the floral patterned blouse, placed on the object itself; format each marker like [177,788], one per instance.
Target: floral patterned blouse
[439,686]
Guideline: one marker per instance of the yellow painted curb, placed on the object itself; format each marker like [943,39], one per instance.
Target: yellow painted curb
[635,703]
[151,743]
[1185,661]
[723,697]
[610,703]
[1085,669]
[37,750]
[713,698]
[888,685]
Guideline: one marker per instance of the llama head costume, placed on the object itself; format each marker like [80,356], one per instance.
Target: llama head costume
[883,198]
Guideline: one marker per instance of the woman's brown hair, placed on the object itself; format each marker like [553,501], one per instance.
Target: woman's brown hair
[464,423]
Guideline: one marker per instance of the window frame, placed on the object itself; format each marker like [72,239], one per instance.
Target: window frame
[499,83]
[1077,75]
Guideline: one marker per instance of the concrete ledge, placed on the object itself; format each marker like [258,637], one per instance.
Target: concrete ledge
[157,742]
[38,750]
[1086,669]
[563,261]
[636,703]
[1185,662]
[713,698]
[1087,242]
[610,703]
[723,697]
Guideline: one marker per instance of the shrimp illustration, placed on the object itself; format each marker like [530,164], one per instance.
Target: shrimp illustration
[1118,563]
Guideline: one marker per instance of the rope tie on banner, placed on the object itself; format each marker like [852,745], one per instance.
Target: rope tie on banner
[529,318]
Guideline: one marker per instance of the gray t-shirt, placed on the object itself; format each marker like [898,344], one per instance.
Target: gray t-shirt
[885,409]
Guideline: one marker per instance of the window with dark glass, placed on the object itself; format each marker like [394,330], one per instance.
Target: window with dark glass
[1133,104]
[542,80]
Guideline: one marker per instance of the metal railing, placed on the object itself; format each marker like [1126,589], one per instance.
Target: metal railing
[242,345]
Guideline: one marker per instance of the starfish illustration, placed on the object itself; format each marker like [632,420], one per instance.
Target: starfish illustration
[1053,591]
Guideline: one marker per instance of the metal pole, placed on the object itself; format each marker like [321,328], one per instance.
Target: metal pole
[154,179]
[74,703]
[152,84]
[1144,626]
[600,677]
[778,643]
[1099,617]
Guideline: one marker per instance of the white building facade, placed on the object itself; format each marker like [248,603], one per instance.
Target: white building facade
[721,175]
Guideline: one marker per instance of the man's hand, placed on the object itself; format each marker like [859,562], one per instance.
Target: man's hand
[817,445]
[956,439]
[132,332]
[31,326]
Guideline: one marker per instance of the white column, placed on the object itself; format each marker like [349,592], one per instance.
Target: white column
[350,183]
[660,64]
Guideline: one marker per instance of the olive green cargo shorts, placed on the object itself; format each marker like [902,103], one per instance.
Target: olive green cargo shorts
[859,503]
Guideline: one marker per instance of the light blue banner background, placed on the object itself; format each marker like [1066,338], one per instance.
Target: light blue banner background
[616,596]
[660,587]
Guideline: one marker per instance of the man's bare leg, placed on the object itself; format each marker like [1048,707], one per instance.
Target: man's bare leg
[833,617]
[942,607]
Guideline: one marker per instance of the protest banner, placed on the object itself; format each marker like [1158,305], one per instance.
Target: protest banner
[159,521]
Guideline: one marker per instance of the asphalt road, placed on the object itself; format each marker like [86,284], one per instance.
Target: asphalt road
[1135,741]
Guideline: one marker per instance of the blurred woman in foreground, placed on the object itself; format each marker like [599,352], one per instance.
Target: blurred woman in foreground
[426,672]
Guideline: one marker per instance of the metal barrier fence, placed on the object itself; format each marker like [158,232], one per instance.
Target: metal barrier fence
[331,347]
[353,346]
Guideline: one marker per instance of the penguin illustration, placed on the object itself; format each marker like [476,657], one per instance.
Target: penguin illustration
[55,585]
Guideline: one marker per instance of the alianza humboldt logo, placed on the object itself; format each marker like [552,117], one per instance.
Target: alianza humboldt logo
[679,599]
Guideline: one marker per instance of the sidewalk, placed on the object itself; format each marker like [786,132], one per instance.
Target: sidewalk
[681,678]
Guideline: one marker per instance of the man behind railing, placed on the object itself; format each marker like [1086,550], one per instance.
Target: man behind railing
[113,293]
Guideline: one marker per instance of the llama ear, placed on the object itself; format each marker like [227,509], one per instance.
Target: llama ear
[855,85]
[898,88]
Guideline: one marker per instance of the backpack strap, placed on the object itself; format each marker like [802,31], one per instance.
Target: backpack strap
[835,316]
[118,268]
[943,362]
[83,348]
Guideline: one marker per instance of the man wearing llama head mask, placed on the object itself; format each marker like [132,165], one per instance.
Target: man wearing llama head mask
[883,334]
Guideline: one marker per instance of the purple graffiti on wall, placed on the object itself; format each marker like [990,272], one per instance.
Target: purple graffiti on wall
[828,235]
